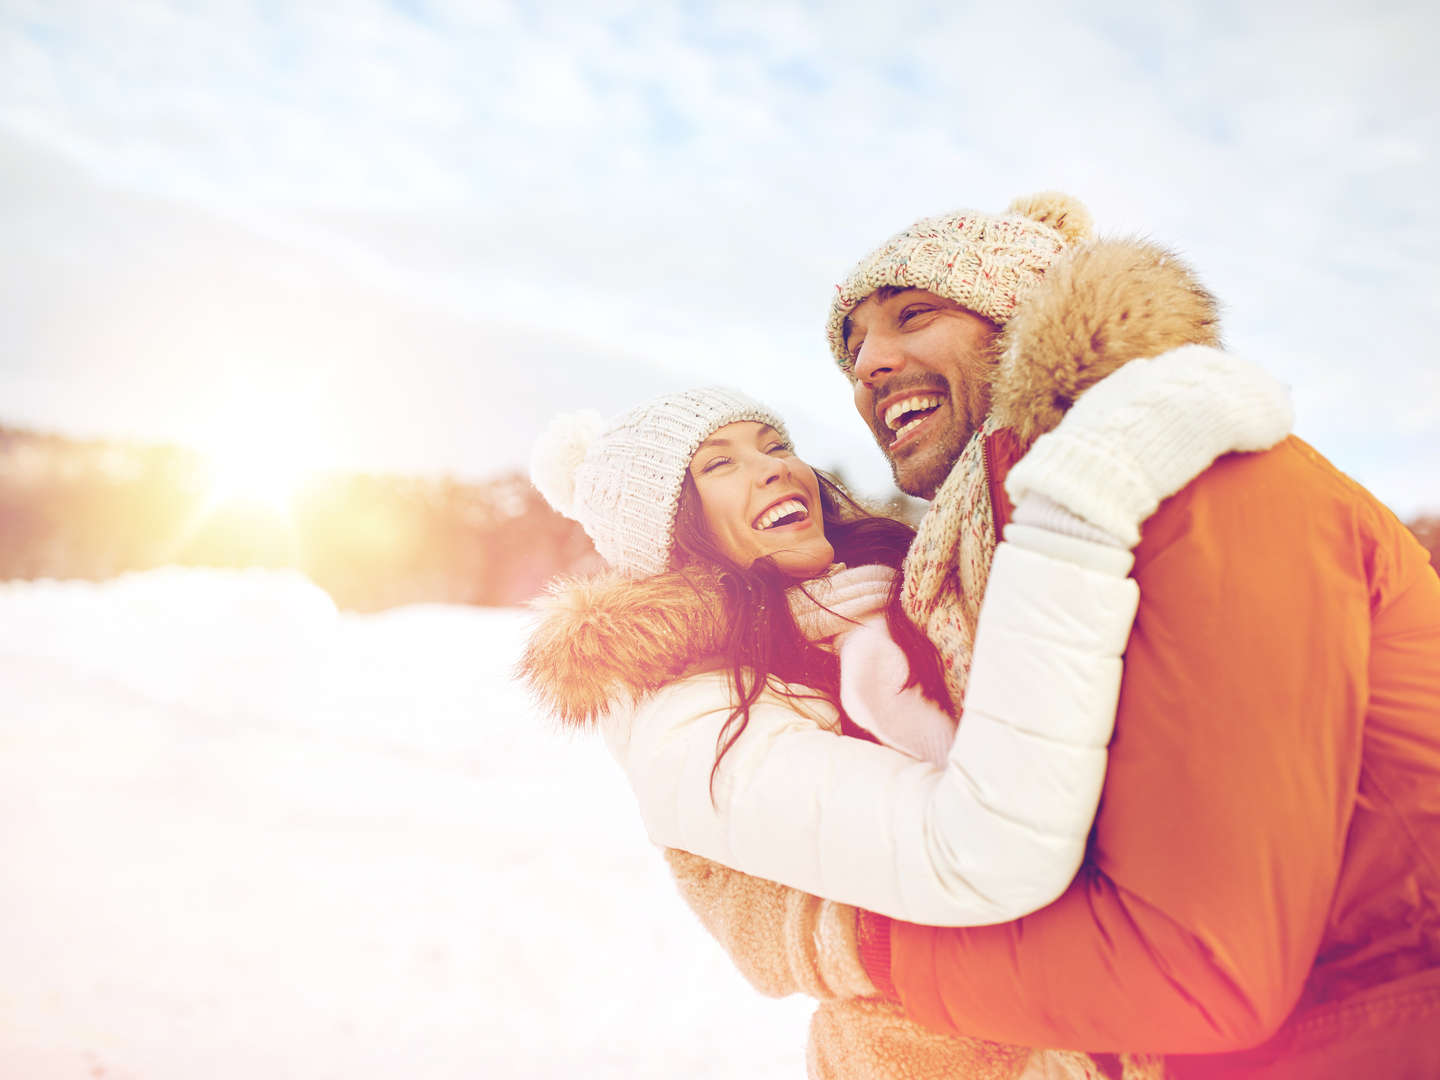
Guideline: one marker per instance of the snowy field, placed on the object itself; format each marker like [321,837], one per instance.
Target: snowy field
[244,836]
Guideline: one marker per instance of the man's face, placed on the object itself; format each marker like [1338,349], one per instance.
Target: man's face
[921,377]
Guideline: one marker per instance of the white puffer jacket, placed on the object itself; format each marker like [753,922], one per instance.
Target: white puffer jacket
[997,833]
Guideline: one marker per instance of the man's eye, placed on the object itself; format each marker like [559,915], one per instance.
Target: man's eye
[910,312]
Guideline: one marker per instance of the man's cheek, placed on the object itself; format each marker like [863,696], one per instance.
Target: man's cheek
[875,432]
[864,403]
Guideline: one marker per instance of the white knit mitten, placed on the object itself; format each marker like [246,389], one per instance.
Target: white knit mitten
[873,672]
[1146,430]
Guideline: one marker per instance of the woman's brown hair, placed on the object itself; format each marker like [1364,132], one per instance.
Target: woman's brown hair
[760,638]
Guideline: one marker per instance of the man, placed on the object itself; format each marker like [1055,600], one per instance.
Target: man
[1261,897]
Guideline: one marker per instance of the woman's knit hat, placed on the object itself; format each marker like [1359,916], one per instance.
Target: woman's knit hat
[621,480]
[986,263]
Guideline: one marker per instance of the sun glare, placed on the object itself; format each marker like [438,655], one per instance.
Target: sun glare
[268,483]
[262,471]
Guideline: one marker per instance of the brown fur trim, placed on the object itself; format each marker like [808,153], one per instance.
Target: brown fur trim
[611,636]
[1100,306]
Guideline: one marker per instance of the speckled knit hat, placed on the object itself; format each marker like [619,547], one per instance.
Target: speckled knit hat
[621,480]
[984,262]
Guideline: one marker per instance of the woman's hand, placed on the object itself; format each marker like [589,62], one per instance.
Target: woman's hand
[873,673]
[1143,432]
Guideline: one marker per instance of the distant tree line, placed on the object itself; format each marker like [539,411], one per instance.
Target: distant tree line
[1427,529]
[93,510]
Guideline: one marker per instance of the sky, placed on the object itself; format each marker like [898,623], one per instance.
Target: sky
[400,236]
[246,836]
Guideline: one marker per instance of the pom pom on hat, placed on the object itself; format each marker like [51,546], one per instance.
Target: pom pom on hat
[1065,214]
[558,453]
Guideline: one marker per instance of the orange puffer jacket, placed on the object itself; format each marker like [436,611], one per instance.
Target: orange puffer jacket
[1261,897]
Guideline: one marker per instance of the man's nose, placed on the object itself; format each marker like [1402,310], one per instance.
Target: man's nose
[877,358]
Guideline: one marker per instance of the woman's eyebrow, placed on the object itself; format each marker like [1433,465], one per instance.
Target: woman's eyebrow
[764,430]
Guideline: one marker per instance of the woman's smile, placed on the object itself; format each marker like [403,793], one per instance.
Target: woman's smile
[786,513]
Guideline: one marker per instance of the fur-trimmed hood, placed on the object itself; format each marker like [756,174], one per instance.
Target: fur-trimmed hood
[1104,304]
[611,637]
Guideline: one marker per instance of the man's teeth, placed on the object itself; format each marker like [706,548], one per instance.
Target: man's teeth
[780,510]
[920,404]
[903,428]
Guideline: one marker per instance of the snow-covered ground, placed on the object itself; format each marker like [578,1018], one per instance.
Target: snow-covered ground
[244,836]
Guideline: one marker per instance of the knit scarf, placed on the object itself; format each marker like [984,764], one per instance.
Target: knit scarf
[827,606]
[949,562]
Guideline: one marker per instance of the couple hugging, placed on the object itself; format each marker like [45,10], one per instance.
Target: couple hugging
[1031,791]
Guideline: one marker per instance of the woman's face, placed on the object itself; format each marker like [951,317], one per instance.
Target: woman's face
[758,498]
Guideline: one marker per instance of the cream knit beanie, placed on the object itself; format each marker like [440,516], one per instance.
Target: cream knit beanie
[621,481]
[984,262]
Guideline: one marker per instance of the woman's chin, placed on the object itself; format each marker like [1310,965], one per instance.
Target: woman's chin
[806,560]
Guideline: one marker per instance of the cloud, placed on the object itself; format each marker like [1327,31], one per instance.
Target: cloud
[679,184]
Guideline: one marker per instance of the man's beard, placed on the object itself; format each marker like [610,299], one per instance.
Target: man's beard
[925,477]
[930,468]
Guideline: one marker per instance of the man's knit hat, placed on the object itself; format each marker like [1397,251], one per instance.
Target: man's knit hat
[986,263]
[621,480]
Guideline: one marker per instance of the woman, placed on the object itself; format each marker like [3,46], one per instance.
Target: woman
[750,599]
[619,651]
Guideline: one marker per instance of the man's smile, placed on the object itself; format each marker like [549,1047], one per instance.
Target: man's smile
[904,415]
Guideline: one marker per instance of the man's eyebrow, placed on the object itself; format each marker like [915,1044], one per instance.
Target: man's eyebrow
[883,293]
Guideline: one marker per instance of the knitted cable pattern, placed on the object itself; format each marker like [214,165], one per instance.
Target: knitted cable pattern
[835,604]
[621,481]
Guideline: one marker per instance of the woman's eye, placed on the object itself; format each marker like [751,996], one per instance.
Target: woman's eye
[778,448]
[714,463]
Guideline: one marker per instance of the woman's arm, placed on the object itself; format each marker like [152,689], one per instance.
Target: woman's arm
[999,831]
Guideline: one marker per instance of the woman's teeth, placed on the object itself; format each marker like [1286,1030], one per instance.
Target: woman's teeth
[781,510]
[906,413]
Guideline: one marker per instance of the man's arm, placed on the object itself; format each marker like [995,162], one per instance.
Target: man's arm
[1237,748]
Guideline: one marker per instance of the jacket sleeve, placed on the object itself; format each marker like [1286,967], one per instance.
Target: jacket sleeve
[997,832]
[1232,772]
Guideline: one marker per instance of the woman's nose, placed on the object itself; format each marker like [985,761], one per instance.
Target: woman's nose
[771,468]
